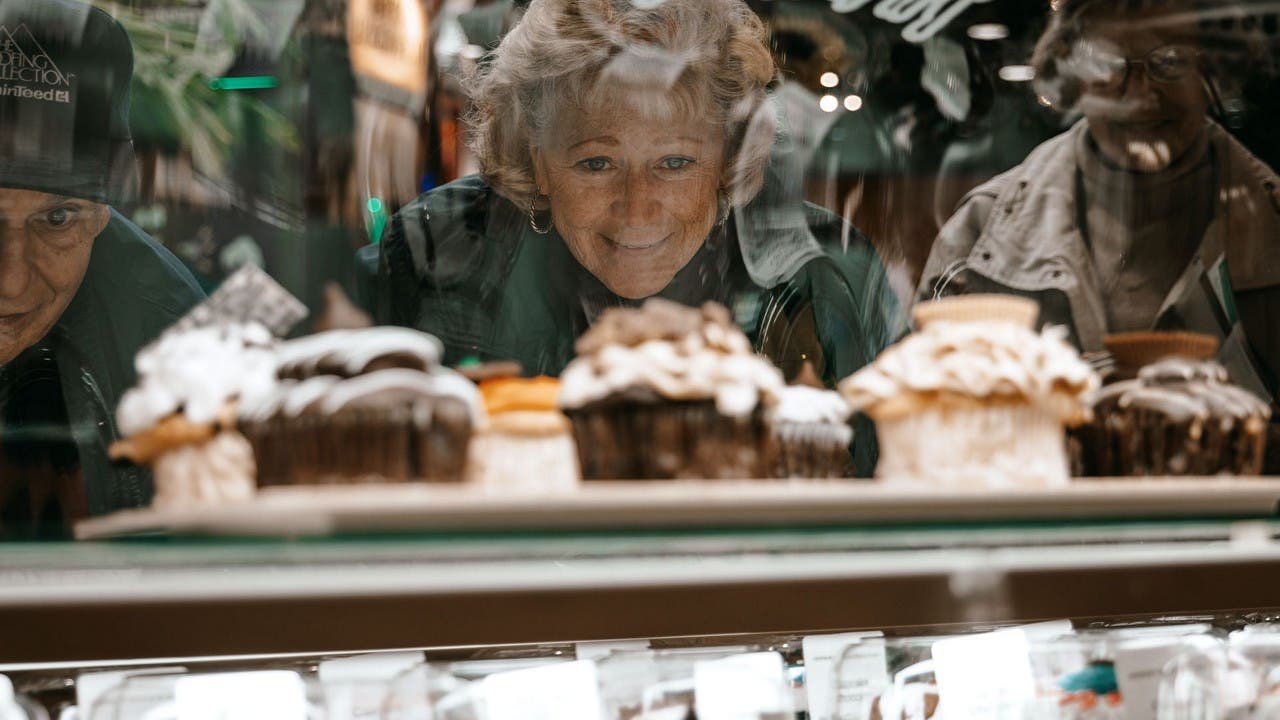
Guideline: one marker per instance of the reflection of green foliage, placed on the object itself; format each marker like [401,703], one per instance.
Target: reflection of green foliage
[173,107]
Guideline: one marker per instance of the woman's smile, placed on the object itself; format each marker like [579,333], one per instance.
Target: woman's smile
[636,243]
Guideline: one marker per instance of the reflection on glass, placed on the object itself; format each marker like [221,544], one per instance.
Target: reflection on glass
[1147,213]
[81,287]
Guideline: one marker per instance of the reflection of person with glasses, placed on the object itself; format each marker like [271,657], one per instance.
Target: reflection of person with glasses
[81,288]
[1146,214]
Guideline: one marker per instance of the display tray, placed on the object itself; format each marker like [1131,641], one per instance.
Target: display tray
[369,508]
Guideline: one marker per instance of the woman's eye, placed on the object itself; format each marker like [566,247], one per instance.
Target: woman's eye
[676,163]
[58,218]
[595,164]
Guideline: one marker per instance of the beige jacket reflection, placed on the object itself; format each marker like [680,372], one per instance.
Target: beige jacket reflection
[1020,234]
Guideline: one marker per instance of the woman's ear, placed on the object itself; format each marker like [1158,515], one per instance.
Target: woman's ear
[540,179]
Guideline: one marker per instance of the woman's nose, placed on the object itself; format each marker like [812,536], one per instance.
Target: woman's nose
[639,204]
[15,269]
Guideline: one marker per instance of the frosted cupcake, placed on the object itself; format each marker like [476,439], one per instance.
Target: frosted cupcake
[180,418]
[362,405]
[667,391]
[527,445]
[1179,416]
[975,398]
[811,428]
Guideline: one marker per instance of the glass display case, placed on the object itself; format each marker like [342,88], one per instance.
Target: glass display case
[639,359]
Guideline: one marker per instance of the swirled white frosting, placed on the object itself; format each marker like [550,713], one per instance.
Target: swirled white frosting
[353,350]
[977,360]
[804,404]
[197,372]
[715,363]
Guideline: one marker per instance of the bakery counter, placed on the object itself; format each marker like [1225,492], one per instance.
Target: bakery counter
[169,598]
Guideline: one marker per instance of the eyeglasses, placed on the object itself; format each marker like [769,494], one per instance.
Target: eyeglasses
[1106,71]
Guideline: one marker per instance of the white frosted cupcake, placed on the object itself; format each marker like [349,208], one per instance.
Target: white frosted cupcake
[527,445]
[973,400]
[811,429]
[180,418]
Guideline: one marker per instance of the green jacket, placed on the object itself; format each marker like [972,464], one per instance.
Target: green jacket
[132,290]
[463,264]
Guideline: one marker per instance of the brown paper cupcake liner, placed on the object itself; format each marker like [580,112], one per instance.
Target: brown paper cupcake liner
[1140,442]
[398,444]
[1135,349]
[670,440]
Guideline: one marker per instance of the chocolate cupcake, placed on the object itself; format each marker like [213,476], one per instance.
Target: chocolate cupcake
[1179,416]
[368,405]
[667,391]
[811,428]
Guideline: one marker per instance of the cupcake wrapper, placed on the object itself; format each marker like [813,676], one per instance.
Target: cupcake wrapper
[400,444]
[672,440]
[1005,446]
[507,463]
[1140,442]
[812,450]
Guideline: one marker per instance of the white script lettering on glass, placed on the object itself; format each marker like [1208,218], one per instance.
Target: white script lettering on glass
[923,18]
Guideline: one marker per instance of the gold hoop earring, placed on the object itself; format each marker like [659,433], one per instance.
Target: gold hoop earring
[533,220]
[722,212]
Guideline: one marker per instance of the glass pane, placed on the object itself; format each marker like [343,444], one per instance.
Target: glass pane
[517,178]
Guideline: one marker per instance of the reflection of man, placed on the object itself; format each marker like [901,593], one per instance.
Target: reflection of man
[1145,214]
[81,288]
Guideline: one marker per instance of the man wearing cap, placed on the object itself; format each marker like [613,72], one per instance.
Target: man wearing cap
[81,288]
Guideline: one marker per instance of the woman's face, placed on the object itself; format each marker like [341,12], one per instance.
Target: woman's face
[45,244]
[633,198]
[1143,123]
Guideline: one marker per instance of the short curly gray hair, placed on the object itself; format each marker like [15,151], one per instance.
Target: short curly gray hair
[705,56]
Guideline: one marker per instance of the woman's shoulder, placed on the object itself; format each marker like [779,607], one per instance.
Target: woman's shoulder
[450,230]
[840,241]
[851,261]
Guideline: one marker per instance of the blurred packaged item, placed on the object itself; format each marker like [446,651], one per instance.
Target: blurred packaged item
[355,687]
[740,687]
[559,691]
[844,673]
[247,695]
[16,707]
[428,691]
[912,696]
[662,684]
[975,398]
[986,675]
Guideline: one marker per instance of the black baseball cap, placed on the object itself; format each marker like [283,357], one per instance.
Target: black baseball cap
[65,72]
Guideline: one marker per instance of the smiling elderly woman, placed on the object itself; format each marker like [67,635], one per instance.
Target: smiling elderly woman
[621,146]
